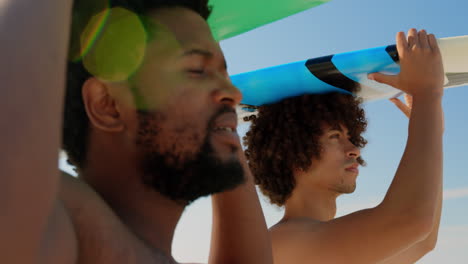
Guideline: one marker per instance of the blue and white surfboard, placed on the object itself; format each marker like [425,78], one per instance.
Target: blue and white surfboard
[344,72]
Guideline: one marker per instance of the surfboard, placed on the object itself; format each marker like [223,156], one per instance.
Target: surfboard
[230,18]
[344,72]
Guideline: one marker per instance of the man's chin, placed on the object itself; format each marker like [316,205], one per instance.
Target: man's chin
[225,177]
[203,179]
[346,188]
[352,189]
[225,152]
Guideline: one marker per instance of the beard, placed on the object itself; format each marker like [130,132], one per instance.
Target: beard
[184,175]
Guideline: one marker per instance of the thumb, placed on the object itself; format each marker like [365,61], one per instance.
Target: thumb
[383,78]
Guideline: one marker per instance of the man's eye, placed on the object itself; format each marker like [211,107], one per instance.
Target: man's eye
[197,71]
[336,135]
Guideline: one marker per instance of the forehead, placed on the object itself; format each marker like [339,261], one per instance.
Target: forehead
[326,127]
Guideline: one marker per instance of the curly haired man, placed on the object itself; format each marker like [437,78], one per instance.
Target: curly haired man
[305,152]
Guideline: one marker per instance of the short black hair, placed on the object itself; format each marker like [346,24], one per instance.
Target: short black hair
[75,120]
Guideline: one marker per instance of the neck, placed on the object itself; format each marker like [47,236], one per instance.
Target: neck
[311,203]
[149,215]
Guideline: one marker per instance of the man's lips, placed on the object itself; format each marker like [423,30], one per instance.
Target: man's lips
[353,168]
[225,122]
[224,129]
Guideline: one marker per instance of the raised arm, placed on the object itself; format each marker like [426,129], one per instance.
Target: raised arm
[418,250]
[407,215]
[418,182]
[239,232]
[33,55]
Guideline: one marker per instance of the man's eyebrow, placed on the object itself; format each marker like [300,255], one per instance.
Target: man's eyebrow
[335,128]
[201,52]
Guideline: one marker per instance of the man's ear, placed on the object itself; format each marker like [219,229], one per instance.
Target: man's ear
[101,107]
[298,174]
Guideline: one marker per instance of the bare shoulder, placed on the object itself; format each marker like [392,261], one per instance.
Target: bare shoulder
[353,238]
[59,245]
[288,236]
[92,218]
[101,235]
[284,232]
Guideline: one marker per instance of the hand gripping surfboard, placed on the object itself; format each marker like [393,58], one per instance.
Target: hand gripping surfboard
[344,72]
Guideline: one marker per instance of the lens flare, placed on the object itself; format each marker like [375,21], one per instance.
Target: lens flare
[114,43]
[92,31]
[83,12]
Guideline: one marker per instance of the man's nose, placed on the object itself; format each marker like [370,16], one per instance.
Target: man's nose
[353,151]
[227,93]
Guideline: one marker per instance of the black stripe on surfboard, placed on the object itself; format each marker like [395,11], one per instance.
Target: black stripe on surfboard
[324,69]
[393,53]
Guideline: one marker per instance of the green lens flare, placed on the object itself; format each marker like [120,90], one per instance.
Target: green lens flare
[92,31]
[83,11]
[113,44]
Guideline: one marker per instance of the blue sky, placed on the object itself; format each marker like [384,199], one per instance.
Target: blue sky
[347,25]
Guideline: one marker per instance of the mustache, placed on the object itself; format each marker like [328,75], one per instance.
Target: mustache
[352,162]
[222,110]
